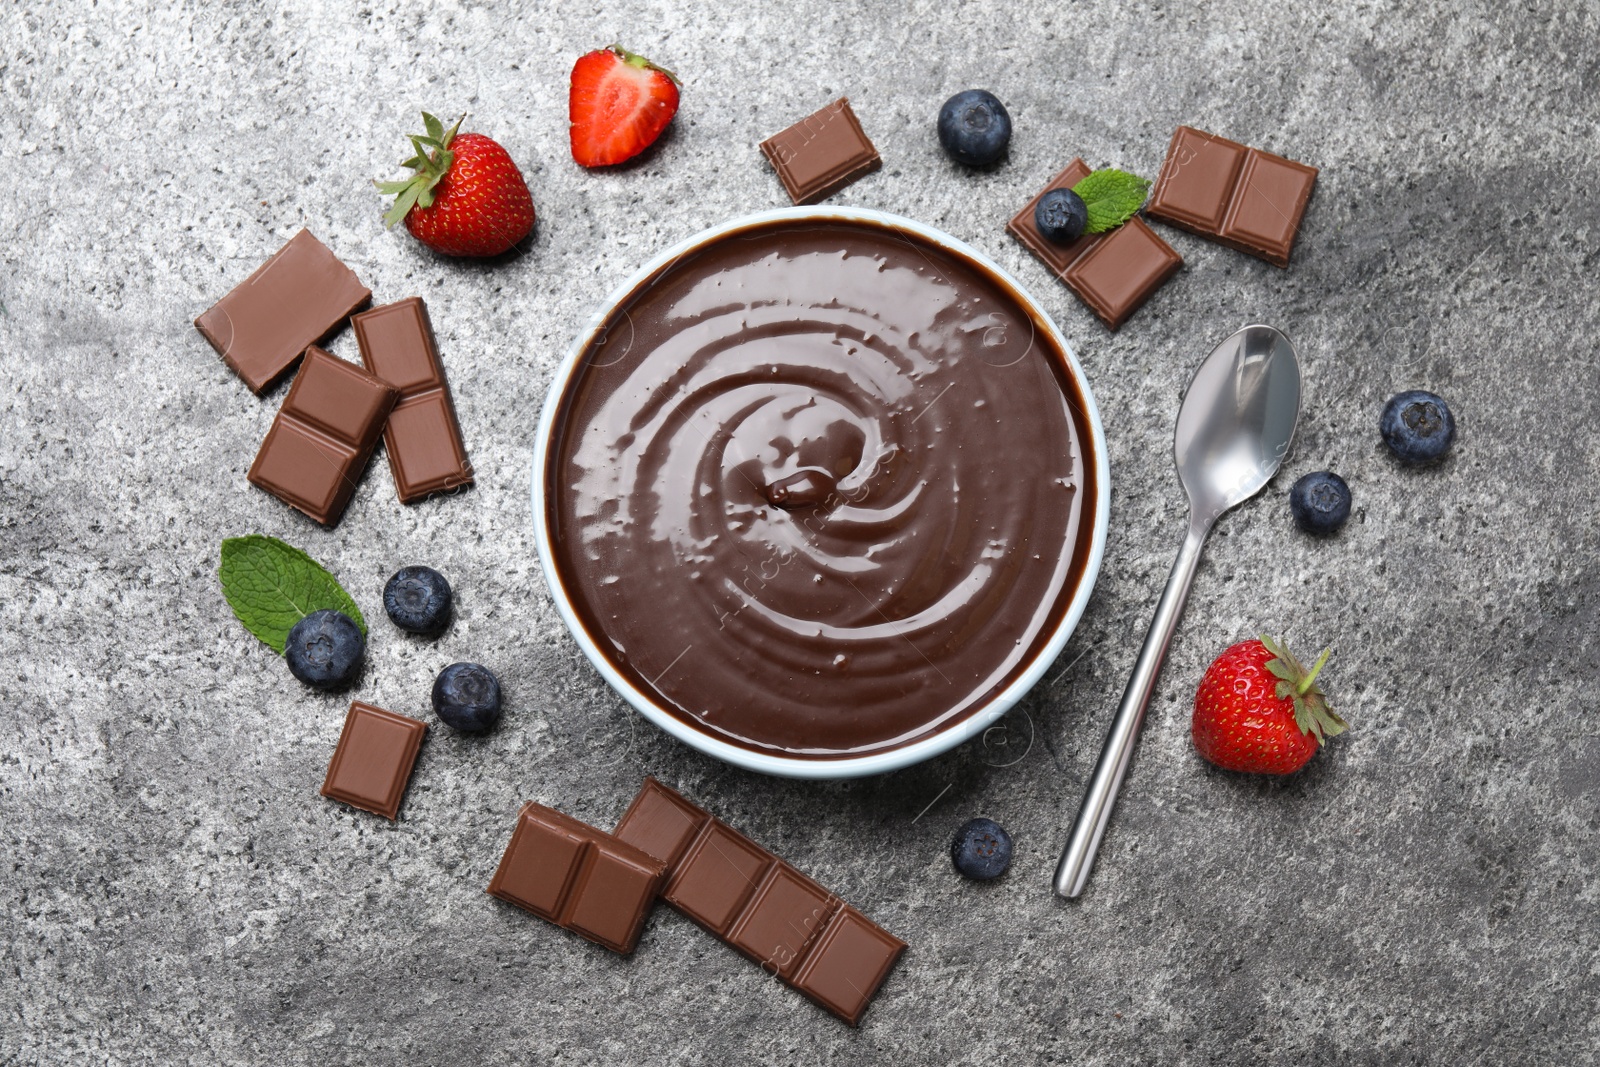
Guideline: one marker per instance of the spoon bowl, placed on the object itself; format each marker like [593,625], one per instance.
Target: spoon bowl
[1237,420]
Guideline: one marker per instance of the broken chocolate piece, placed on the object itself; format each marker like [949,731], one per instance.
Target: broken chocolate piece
[822,153]
[293,300]
[580,878]
[1114,273]
[372,763]
[323,436]
[1247,199]
[422,436]
[760,905]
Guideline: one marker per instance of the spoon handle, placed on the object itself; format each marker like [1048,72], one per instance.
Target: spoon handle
[1078,858]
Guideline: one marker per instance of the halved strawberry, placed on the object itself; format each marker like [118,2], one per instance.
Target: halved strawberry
[620,103]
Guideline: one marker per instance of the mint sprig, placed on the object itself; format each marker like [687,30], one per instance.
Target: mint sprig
[1112,197]
[271,586]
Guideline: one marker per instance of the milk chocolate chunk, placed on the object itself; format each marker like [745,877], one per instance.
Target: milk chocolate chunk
[422,437]
[822,153]
[1121,272]
[1113,273]
[323,436]
[1241,197]
[372,763]
[578,877]
[293,300]
[848,964]
[761,906]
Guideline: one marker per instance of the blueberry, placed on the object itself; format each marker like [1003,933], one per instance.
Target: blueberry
[981,850]
[1061,215]
[324,649]
[1320,502]
[1417,426]
[467,697]
[418,599]
[974,128]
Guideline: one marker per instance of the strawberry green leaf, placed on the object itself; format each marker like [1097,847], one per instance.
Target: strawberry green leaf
[271,586]
[431,160]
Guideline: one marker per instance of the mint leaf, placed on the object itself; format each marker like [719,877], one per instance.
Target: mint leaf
[1112,197]
[271,586]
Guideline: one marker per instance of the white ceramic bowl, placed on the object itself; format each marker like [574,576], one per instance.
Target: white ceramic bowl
[850,766]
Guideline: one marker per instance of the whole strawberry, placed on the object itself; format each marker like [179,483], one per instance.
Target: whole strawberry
[1258,710]
[619,104]
[466,198]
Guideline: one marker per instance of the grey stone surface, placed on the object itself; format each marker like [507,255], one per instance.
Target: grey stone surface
[175,891]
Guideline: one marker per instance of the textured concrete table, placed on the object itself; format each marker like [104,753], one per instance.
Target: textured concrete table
[175,891]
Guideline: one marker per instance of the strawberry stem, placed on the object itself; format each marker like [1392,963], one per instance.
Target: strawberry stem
[1309,679]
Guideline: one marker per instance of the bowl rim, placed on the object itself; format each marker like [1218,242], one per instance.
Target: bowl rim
[963,730]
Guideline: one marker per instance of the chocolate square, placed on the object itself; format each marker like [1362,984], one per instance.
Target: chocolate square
[660,823]
[1268,206]
[422,437]
[822,153]
[323,436]
[1197,180]
[1247,199]
[372,763]
[1121,272]
[850,961]
[578,877]
[717,875]
[786,913]
[539,862]
[296,298]
[613,895]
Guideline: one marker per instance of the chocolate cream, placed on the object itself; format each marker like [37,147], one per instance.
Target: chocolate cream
[821,489]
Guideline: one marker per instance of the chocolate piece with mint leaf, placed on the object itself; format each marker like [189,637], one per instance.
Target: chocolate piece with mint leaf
[1119,262]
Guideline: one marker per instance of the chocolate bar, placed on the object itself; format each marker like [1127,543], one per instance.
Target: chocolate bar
[323,436]
[422,436]
[1241,197]
[822,153]
[763,907]
[1113,273]
[580,878]
[293,300]
[372,763]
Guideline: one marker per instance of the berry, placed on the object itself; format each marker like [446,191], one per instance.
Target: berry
[418,599]
[467,697]
[467,198]
[1061,215]
[981,850]
[974,128]
[1417,426]
[619,104]
[1258,710]
[325,649]
[1320,502]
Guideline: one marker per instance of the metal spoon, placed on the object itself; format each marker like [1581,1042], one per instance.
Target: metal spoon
[1234,428]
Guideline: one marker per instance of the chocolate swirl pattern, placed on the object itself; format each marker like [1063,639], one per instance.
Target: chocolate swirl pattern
[822,488]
